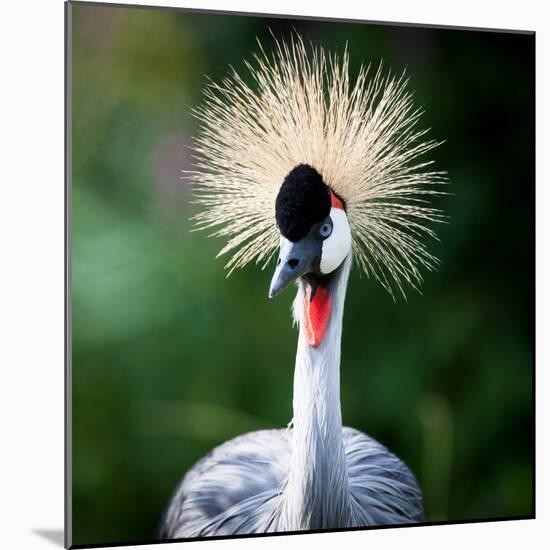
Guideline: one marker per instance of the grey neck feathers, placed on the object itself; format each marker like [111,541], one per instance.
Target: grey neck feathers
[316,495]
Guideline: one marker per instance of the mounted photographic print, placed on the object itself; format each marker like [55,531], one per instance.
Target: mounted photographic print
[300,275]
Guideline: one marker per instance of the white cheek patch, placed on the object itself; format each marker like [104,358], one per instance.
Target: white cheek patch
[338,245]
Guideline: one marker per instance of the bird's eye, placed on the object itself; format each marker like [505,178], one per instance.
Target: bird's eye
[326,230]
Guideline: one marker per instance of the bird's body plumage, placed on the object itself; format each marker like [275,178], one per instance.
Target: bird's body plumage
[238,488]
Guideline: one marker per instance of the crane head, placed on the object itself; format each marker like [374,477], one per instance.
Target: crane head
[315,239]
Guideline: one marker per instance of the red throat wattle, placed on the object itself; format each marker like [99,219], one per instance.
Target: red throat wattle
[316,314]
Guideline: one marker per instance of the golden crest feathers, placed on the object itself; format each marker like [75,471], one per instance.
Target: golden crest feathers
[362,136]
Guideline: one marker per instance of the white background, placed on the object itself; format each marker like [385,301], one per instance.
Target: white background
[31,270]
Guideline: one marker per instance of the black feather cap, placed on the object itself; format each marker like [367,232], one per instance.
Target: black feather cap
[303,200]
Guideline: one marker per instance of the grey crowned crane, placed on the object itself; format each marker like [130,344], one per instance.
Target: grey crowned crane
[325,171]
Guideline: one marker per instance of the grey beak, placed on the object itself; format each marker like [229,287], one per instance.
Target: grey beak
[295,259]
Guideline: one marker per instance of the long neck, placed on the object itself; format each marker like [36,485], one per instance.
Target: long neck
[317,493]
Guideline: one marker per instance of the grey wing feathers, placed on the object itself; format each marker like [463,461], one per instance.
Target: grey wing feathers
[383,490]
[236,488]
[233,489]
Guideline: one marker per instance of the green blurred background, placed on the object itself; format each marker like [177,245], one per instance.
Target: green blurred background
[170,358]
